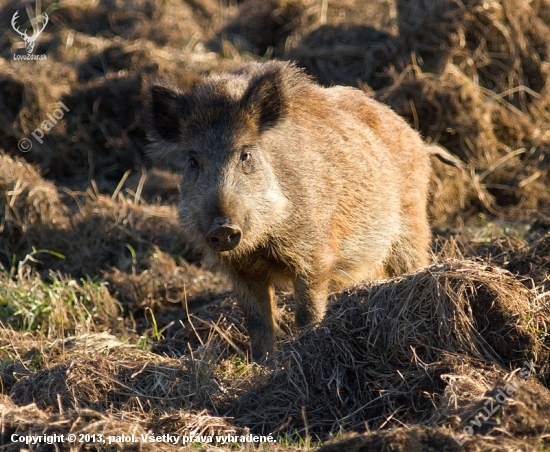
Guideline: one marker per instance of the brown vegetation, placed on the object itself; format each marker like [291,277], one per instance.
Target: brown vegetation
[109,323]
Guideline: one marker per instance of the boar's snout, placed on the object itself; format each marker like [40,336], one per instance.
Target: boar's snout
[224,235]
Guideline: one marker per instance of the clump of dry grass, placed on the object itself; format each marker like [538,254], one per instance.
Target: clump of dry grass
[93,383]
[261,27]
[27,202]
[31,420]
[477,84]
[98,232]
[163,281]
[526,255]
[529,258]
[379,355]
[123,380]
[520,423]
[115,231]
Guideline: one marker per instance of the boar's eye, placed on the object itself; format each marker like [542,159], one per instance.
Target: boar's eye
[246,162]
[245,157]
[193,162]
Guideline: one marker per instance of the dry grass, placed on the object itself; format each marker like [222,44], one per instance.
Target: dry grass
[384,355]
[424,349]
[111,326]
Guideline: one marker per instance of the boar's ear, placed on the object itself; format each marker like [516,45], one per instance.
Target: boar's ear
[166,111]
[264,99]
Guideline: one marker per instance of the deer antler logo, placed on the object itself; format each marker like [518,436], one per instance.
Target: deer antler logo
[29,40]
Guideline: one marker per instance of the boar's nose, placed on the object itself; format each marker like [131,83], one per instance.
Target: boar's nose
[224,235]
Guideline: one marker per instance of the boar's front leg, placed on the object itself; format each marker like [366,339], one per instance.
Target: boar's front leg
[257,298]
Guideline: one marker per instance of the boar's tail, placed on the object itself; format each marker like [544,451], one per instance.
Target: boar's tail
[445,156]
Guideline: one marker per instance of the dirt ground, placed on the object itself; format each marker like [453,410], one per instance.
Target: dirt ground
[111,330]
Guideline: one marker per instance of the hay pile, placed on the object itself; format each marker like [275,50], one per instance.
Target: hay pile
[91,231]
[384,355]
[525,254]
[120,381]
[110,325]
[96,384]
[27,202]
[165,281]
[30,420]
[477,85]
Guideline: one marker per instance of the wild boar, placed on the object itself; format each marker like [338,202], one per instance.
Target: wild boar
[285,181]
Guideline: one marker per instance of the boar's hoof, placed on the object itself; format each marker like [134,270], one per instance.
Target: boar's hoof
[224,238]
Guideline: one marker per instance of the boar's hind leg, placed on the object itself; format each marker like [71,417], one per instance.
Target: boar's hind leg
[411,250]
[257,300]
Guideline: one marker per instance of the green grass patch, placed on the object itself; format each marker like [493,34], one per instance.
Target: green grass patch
[56,308]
